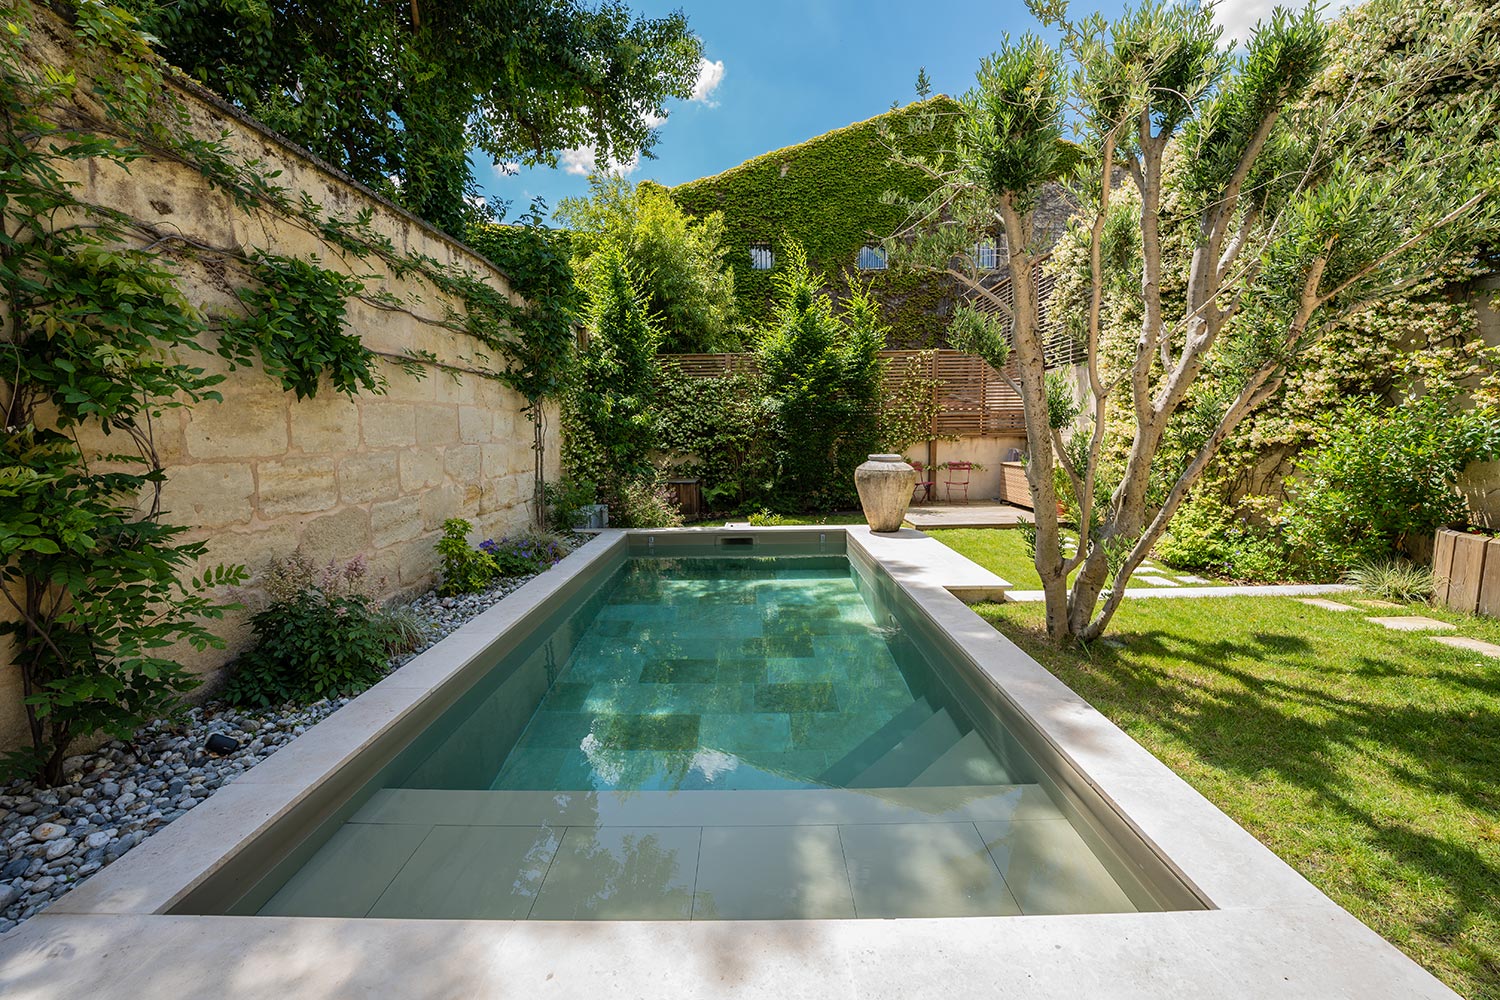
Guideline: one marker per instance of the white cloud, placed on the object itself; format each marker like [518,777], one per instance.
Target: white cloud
[508,168]
[710,75]
[1238,17]
[582,161]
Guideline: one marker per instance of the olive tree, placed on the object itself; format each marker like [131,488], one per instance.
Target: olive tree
[1225,214]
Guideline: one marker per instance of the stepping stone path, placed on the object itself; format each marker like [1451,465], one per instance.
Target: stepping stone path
[1156,581]
[1472,645]
[1189,578]
[1411,623]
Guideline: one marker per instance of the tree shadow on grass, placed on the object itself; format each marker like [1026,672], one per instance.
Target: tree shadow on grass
[1390,747]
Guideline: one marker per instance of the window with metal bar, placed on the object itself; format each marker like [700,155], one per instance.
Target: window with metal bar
[986,256]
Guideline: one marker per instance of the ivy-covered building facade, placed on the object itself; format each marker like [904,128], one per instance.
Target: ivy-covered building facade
[828,195]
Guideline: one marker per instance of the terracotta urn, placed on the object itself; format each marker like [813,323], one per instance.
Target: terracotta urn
[885,483]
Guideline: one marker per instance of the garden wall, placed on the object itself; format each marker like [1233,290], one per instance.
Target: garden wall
[262,474]
[1480,483]
[989,451]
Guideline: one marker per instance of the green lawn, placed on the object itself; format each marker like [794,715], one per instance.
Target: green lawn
[1002,551]
[1368,759]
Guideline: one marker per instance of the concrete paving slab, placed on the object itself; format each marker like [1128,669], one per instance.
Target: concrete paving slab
[1379,604]
[1472,645]
[1155,581]
[1326,605]
[966,515]
[932,562]
[1411,623]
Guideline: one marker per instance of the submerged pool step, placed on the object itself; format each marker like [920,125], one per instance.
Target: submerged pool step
[805,807]
[877,744]
[967,762]
[902,763]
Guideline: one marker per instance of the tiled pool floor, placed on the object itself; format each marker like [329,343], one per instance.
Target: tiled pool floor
[764,679]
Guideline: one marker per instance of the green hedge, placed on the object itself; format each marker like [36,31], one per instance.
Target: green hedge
[825,194]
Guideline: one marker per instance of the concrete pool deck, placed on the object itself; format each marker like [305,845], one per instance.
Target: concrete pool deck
[1267,931]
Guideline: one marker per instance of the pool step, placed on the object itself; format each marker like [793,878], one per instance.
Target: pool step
[913,755]
[877,744]
[967,762]
[806,807]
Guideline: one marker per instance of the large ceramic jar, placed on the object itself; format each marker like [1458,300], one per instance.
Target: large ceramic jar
[885,484]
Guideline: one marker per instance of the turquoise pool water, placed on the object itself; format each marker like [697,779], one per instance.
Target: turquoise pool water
[708,738]
[720,674]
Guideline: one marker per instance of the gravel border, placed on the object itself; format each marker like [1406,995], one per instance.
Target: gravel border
[52,839]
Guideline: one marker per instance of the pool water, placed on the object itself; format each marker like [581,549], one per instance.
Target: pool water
[708,738]
[719,673]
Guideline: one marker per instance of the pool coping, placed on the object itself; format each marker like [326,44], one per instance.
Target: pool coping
[1269,931]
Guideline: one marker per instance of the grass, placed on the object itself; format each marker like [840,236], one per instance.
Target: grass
[836,517]
[1002,551]
[1368,759]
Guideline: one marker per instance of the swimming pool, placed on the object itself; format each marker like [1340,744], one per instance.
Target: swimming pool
[1218,913]
[711,731]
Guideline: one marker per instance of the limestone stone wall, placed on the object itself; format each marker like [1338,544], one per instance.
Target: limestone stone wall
[262,474]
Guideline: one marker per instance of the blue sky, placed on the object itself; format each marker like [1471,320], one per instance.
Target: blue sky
[778,72]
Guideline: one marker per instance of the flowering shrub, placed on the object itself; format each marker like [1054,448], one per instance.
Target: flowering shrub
[321,634]
[468,569]
[523,554]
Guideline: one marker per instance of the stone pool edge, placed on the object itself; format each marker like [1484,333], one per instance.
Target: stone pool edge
[1270,932]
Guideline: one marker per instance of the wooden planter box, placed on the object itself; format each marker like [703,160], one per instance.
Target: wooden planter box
[1467,571]
[1014,489]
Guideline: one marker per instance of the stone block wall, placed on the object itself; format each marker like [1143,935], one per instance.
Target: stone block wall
[263,474]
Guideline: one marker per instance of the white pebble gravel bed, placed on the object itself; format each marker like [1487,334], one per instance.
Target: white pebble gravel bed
[52,839]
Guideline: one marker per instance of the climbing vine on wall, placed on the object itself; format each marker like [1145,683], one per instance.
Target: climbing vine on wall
[539,264]
[95,336]
[826,196]
[98,338]
[294,324]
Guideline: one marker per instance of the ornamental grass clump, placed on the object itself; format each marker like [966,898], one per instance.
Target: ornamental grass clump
[1393,580]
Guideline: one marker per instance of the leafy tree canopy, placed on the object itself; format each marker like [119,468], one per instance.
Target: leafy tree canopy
[687,285]
[1230,216]
[822,373]
[400,93]
[611,427]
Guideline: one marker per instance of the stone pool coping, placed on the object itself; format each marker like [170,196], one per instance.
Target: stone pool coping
[1269,933]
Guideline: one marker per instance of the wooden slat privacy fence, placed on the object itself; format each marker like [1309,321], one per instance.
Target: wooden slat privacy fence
[973,400]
